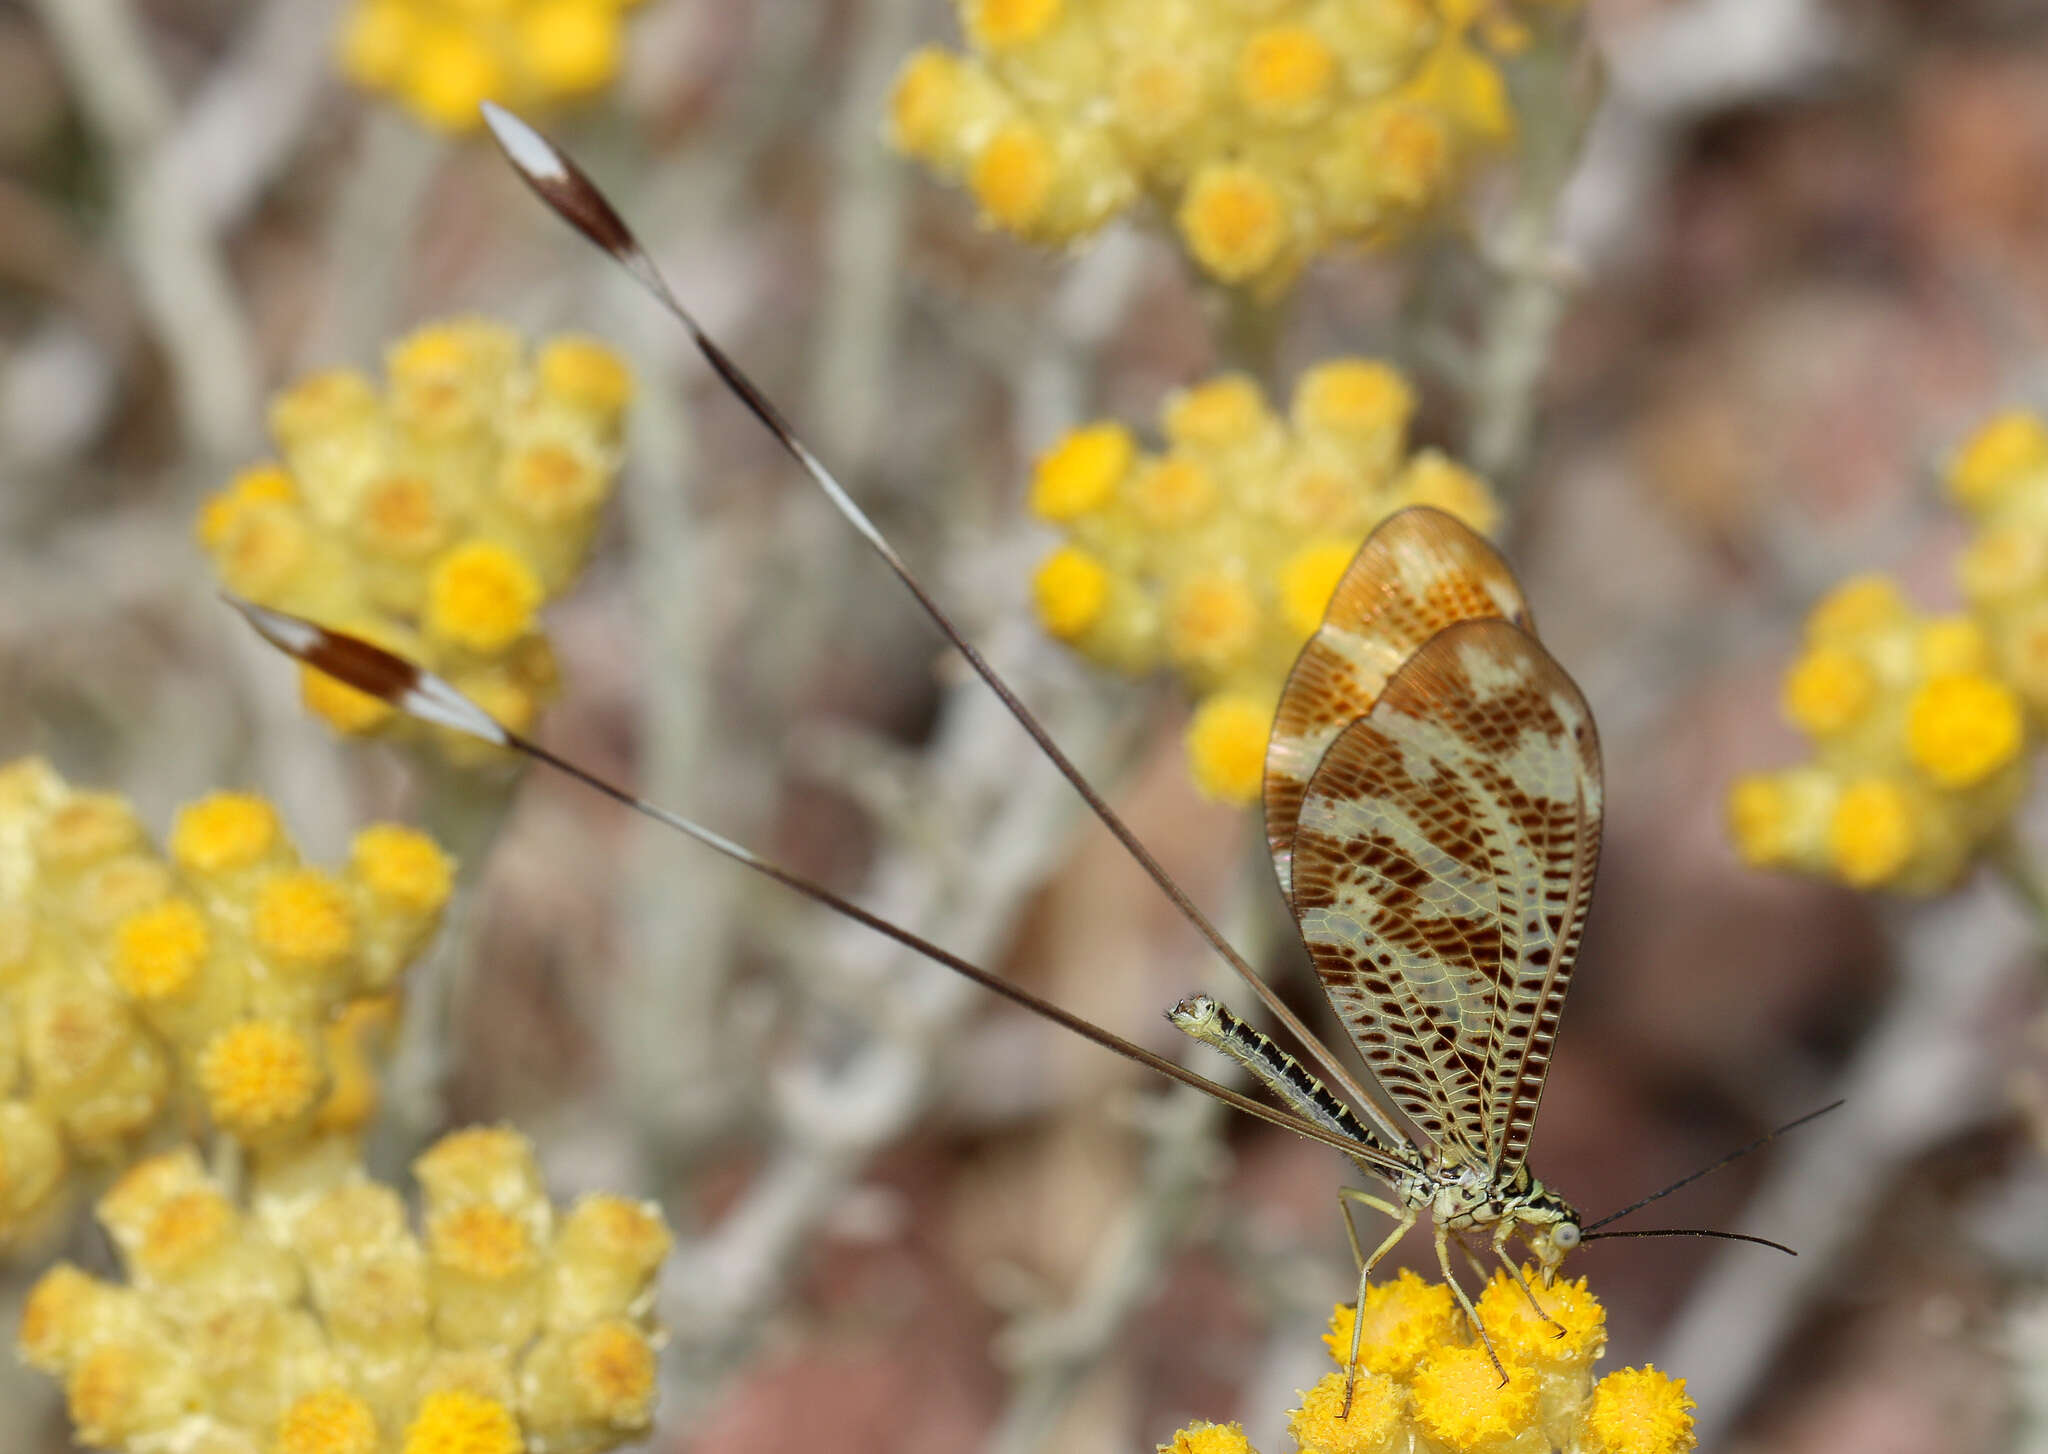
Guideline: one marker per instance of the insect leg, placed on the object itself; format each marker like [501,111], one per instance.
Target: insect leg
[1471,1259]
[1404,1219]
[1500,1250]
[1346,1195]
[1443,1260]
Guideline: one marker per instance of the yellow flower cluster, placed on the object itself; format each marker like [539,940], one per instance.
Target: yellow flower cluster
[1921,724]
[440,58]
[2000,479]
[230,979]
[1270,132]
[1919,748]
[1425,1383]
[313,1320]
[1217,556]
[434,518]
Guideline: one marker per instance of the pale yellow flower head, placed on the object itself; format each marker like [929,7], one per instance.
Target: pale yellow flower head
[224,981]
[434,517]
[1425,1382]
[309,1317]
[1217,555]
[1269,134]
[439,59]
[1921,734]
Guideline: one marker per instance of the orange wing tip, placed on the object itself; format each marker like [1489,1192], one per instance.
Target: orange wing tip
[374,672]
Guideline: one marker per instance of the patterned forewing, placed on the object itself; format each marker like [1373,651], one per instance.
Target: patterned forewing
[1443,867]
[1419,572]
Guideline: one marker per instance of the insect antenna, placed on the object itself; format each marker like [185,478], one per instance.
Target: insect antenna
[1586,1232]
[419,693]
[1692,1232]
[560,183]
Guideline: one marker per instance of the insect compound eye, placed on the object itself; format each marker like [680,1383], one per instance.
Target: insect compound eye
[1565,1235]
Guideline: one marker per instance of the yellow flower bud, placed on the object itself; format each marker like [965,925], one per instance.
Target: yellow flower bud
[87,828]
[1827,691]
[922,102]
[376,41]
[584,374]
[567,47]
[2009,451]
[455,1422]
[452,71]
[330,1421]
[1874,833]
[1375,1424]
[553,485]
[1209,1439]
[303,921]
[159,951]
[67,1311]
[402,868]
[1234,222]
[400,518]
[1433,479]
[1226,747]
[1856,608]
[1211,621]
[1309,578]
[1963,727]
[2002,564]
[1949,644]
[259,1077]
[1461,1402]
[1013,176]
[482,597]
[1285,73]
[1640,1411]
[226,832]
[996,25]
[601,1376]
[1080,473]
[1217,414]
[1172,493]
[1569,1331]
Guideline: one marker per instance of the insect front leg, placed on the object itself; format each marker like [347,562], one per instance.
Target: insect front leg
[1500,1250]
[1404,1219]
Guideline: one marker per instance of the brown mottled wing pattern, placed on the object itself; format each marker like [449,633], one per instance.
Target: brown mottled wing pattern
[1419,572]
[1442,871]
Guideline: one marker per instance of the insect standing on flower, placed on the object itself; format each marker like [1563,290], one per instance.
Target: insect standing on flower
[1433,811]
[1433,801]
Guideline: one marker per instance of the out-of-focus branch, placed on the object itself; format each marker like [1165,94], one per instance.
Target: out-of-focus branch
[246,123]
[833,1119]
[1667,69]
[1532,281]
[180,270]
[1920,1076]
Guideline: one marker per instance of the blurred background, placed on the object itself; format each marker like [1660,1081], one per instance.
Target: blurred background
[1802,253]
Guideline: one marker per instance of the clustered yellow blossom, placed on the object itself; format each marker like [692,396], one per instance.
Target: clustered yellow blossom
[1921,724]
[1216,556]
[440,58]
[311,1319]
[1424,1382]
[1269,132]
[227,980]
[435,517]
